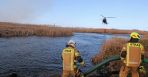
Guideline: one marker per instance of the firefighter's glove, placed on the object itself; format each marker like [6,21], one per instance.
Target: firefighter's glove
[82,63]
[123,54]
[142,70]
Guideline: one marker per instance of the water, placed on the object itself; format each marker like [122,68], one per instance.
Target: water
[41,56]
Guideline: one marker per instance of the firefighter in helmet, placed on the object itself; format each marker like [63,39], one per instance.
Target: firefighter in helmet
[70,57]
[132,53]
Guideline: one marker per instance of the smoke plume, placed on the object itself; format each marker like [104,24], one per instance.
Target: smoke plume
[22,10]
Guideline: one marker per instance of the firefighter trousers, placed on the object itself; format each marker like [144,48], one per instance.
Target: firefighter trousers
[125,70]
[68,73]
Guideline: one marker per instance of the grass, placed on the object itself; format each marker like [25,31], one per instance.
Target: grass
[8,29]
[113,47]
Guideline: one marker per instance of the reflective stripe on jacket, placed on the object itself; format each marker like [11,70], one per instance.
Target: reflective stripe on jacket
[69,56]
[133,54]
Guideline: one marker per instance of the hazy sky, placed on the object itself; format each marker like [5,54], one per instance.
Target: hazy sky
[130,14]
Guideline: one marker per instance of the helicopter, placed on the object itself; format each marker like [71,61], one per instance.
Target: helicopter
[104,20]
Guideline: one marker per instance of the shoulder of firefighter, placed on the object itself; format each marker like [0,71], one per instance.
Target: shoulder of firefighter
[123,52]
[79,58]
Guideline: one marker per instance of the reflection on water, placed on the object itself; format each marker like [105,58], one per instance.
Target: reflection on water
[41,56]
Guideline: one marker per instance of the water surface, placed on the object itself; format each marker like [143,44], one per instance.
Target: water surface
[41,56]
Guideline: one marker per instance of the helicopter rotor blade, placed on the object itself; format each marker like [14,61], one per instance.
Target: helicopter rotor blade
[102,15]
[110,17]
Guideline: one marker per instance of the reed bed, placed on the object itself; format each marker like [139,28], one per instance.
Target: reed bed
[8,29]
[32,30]
[15,30]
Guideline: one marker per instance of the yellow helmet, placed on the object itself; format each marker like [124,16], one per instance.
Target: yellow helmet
[135,35]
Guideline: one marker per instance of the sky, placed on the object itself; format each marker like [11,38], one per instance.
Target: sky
[130,14]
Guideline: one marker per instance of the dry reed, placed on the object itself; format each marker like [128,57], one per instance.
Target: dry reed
[15,29]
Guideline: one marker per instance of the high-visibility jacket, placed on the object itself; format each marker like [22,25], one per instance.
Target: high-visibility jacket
[133,54]
[69,56]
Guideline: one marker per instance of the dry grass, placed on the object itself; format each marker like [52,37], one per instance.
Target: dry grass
[110,47]
[113,47]
[15,29]
[144,41]
[8,30]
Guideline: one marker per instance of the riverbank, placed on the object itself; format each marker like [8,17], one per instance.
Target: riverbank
[113,47]
[8,29]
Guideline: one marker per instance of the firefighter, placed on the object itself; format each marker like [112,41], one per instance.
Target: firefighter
[70,57]
[132,53]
